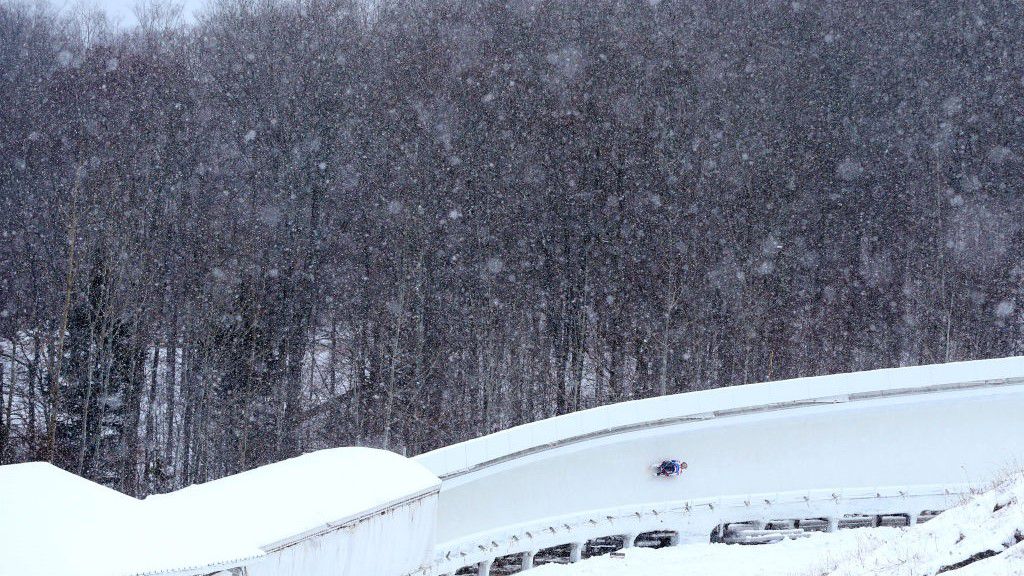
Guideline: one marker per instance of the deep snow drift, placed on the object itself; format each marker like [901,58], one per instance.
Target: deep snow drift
[53,522]
[984,536]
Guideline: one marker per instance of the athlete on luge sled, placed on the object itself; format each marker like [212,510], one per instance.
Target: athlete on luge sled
[670,468]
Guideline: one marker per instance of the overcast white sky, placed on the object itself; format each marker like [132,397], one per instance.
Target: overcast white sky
[123,11]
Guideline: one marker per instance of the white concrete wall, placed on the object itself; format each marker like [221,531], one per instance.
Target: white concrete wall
[899,432]
[394,542]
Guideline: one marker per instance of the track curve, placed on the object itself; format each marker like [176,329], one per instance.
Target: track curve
[888,441]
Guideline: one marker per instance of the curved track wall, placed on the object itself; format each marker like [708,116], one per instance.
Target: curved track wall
[889,441]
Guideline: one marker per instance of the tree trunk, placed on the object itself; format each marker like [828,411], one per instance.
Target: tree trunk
[578,353]
[390,391]
[333,356]
[5,407]
[172,371]
[133,406]
[51,423]
[561,358]
[149,442]
[187,416]
[33,381]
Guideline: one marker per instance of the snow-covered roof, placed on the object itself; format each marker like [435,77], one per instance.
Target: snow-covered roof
[53,522]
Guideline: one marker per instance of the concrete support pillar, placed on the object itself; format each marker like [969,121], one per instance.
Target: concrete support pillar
[527,561]
[576,552]
[484,568]
[628,540]
[911,518]
[833,523]
[759,524]
[675,539]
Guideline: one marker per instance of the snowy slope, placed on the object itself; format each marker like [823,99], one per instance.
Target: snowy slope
[990,524]
[982,537]
[53,522]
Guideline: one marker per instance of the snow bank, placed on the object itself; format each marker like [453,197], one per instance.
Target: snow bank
[274,503]
[52,522]
[51,519]
[983,536]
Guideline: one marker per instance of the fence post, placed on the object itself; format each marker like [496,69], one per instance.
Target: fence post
[527,561]
[576,552]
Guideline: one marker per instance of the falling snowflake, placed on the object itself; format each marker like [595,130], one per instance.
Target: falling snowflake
[849,169]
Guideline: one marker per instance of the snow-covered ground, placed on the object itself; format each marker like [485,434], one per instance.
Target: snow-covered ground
[53,522]
[982,537]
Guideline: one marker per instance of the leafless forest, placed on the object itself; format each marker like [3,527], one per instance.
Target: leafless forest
[292,224]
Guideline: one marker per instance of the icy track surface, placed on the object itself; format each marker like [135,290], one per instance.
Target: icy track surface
[982,537]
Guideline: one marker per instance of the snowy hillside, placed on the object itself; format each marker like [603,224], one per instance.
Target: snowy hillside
[982,537]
